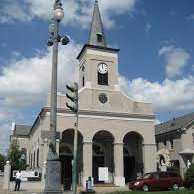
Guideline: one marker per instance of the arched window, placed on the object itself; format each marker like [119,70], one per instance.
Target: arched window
[83,81]
[37,158]
[31,160]
[99,37]
[103,79]
[34,162]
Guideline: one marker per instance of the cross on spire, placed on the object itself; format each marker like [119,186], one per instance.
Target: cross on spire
[97,36]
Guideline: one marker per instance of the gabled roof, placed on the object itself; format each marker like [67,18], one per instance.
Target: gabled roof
[97,28]
[174,124]
[22,130]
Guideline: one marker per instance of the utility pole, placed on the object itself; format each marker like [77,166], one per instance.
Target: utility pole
[72,95]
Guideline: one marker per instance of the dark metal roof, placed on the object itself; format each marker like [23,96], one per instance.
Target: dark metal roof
[97,28]
[22,130]
[174,124]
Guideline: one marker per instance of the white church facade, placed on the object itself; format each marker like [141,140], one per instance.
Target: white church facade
[115,131]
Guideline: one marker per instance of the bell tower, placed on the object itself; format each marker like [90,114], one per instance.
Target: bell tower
[98,68]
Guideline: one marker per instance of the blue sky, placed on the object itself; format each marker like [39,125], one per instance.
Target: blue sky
[156,61]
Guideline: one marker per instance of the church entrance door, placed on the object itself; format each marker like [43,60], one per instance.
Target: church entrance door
[129,163]
[133,156]
[103,157]
[66,170]
[98,161]
[66,157]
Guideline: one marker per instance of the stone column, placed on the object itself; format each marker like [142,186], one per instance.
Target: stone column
[43,175]
[45,147]
[7,172]
[119,179]
[149,157]
[41,154]
[87,162]
[27,158]
[57,146]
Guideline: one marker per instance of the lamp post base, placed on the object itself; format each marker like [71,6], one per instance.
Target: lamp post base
[53,174]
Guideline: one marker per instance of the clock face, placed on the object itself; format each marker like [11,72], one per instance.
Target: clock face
[102,68]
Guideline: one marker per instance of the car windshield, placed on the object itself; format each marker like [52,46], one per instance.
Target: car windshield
[146,176]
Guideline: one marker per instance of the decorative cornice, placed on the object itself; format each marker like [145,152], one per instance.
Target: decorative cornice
[45,110]
[100,113]
[101,48]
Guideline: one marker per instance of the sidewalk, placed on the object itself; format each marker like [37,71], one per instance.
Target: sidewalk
[26,188]
[35,188]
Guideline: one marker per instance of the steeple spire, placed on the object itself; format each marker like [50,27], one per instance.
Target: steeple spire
[97,36]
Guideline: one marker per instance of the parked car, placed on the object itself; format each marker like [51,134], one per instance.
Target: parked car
[157,181]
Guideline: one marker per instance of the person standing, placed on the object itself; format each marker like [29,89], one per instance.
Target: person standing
[18,180]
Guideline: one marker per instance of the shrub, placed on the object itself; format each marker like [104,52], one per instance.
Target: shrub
[189,175]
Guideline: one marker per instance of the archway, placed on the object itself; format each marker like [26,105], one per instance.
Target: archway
[133,156]
[103,156]
[66,156]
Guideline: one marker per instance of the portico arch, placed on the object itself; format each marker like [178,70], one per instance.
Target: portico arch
[133,155]
[66,155]
[103,155]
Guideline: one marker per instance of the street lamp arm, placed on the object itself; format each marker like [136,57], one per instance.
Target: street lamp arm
[57,3]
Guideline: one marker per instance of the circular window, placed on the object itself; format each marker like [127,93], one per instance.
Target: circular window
[103,98]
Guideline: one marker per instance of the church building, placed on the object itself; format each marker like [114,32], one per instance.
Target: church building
[115,132]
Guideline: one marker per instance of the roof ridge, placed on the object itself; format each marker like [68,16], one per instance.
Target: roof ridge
[174,119]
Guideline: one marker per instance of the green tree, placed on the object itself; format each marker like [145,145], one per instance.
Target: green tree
[2,162]
[14,155]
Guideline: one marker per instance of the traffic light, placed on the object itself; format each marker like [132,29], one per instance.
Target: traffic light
[72,95]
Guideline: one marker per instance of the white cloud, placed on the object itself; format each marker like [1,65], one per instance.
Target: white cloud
[13,10]
[166,96]
[176,59]
[25,80]
[25,83]
[157,122]
[77,12]
[115,7]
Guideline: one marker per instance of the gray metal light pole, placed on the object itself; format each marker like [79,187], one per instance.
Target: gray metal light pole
[53,167]
[53,103]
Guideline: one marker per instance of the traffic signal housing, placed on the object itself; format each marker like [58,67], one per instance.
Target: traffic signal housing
[72,95]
